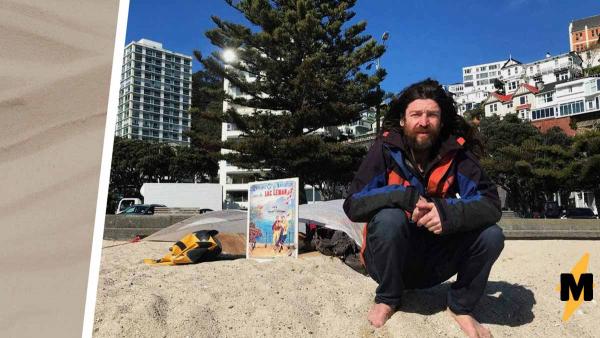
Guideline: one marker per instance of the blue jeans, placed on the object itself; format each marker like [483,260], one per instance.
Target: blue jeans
[399,255]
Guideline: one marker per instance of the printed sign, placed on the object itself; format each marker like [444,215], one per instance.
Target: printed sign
[272,219]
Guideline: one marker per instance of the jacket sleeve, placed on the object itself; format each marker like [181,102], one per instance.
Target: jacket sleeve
[477,205]
[369,191]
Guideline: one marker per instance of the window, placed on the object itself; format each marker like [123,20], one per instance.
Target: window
[563,76]
[468,84]
[542,113]
[468,77]
[523,100]
[494,108]
[546,97]
[509,70]
[513,85]
[493,67]
[509,105]
[467,71]
[571,108]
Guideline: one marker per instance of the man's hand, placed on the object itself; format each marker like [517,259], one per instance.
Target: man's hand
[418,213]
[431,220]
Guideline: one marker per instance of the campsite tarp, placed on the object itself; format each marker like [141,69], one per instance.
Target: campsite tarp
[231,225]
[228,222]
[330,214]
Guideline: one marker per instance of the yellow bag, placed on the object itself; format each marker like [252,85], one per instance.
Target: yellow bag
[200,246]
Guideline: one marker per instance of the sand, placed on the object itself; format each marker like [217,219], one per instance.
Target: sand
[319,296]
[55,64]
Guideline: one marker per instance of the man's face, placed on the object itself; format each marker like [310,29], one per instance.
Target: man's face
[422,123]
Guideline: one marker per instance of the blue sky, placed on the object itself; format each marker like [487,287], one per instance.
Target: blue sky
[427,38]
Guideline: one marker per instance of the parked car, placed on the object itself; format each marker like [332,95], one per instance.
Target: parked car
[551,209]
[141,209]
[585,213]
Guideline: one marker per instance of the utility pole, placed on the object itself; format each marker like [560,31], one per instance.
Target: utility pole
[384,38]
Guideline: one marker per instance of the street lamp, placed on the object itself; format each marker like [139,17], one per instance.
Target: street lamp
[384,38]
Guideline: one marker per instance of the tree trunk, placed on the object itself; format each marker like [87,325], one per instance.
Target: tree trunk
[301,192]
[597,200]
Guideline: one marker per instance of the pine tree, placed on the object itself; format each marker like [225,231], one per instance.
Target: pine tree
[301,66]
[206,111]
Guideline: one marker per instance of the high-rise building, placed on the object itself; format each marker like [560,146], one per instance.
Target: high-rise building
[478,81]
[155,94]
[481,77]
[584,35]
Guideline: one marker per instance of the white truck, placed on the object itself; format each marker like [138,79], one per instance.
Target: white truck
[182,195]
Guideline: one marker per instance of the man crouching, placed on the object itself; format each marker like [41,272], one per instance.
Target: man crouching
[430,208]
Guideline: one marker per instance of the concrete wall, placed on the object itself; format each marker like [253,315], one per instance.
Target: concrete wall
[524,228]
[121,227]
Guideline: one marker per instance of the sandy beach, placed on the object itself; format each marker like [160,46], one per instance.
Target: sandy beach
[319,296]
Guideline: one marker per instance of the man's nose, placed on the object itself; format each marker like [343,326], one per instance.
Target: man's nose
[424,121]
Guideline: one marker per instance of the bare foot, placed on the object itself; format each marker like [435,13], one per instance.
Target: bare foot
[470,326]
[379,314]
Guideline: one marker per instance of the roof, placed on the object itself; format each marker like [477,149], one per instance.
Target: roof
[531,88]
[508,63]
[502,98]
[591,21]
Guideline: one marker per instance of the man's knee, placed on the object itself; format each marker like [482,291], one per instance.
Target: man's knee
[491,241]
[390,224]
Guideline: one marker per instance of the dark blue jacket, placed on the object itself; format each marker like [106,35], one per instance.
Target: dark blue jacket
[470,202]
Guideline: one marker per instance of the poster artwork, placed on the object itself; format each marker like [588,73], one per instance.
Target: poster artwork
[272,219]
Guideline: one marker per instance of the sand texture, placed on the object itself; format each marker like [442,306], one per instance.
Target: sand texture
[55,64]
[318,296]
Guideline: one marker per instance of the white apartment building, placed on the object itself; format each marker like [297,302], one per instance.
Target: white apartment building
[478,81]
[481,77]
[365,125]
[155,94]
[456,88]
[577,97]
[550,69]
[546,101]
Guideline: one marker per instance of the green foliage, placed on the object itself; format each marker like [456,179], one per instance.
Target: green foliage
[476,113]
[207,113]
[302,66]
[587,165]
[531,166]
[593,71]
[499,86]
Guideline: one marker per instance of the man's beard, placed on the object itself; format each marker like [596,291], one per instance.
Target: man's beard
[422,145]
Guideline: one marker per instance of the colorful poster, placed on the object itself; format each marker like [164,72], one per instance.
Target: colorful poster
[272,219]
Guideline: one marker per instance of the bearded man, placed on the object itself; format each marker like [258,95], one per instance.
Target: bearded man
[431,211]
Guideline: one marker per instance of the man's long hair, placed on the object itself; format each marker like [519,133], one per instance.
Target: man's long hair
[452,123]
